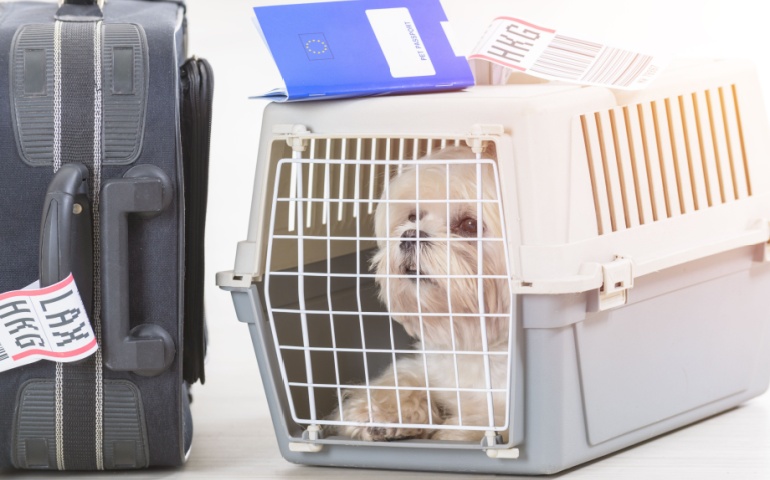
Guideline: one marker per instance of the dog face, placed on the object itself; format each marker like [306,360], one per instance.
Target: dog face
[437,242]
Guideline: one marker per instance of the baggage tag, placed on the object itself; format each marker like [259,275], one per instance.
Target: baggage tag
[518,45]
[44,324]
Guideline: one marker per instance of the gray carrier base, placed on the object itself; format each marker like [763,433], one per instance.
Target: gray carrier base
[691,342]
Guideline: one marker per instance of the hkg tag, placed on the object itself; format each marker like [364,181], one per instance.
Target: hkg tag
[44,324]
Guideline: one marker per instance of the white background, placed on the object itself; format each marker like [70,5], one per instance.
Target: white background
[233,436]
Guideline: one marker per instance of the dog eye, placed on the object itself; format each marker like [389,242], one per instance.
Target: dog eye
[413,216]
[468,227]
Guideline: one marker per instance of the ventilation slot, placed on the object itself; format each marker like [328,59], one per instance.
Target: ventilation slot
[657,160]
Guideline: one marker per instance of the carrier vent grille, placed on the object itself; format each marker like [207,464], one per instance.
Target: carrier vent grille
[657,160]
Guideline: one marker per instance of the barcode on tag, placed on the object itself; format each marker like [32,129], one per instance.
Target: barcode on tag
[545,53]
[44,324]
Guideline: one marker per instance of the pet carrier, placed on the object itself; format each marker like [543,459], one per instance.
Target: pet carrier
[510,279]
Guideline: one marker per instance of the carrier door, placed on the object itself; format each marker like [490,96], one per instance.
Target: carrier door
[387,280]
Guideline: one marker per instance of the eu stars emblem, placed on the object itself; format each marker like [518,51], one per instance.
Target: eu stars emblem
[316,46]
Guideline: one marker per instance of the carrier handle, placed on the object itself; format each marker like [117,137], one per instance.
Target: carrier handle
[66,244]
[146,349]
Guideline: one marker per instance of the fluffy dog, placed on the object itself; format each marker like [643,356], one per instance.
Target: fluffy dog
[428,272]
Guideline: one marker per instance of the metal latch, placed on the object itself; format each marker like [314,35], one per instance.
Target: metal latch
[312,433]
[293,134]
[490,439]
[617,278]
[480,135]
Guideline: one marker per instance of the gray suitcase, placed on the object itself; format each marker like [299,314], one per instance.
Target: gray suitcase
[104,130]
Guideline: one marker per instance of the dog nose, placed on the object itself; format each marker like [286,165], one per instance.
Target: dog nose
[409,238]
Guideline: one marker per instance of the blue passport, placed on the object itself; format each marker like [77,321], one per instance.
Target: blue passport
[361,47]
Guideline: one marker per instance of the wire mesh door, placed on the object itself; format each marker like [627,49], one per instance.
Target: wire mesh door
[388,292]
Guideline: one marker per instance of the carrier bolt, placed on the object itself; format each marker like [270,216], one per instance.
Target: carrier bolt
[475,140]
[313,432]
[295,141]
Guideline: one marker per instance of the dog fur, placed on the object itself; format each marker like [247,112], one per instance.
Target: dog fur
[420,257]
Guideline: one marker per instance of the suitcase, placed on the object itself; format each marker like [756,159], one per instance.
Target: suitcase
[104,143]
[634,230]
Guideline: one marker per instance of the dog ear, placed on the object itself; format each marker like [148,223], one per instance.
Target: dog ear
[497,299]
[380,223]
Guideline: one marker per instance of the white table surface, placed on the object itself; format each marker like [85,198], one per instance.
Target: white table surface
[233,432]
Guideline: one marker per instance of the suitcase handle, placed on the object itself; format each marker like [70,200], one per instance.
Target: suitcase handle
[65,231]
[100,3]
[80,10]
[147,349]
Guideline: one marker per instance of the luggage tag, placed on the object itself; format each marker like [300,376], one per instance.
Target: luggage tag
[44,324]
[520,46]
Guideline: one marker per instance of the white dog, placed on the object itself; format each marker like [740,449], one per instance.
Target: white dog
[416,269]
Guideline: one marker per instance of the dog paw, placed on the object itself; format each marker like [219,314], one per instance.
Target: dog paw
[384,434]
[380,433]
[458,435]
[379,409]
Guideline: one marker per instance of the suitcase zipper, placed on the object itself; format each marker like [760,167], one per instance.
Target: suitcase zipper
[197,98]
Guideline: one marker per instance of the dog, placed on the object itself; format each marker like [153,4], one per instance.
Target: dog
[413,263]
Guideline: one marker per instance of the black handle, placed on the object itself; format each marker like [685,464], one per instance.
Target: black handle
[66,244]
[80,10]
[147,349]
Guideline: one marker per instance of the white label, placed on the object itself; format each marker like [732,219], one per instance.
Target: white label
[400,42]
[546,53]
[44,324]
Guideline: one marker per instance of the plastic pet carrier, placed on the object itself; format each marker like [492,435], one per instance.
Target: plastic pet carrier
[510,279]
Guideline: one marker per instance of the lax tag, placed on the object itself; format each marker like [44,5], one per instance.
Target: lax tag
[44,324]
